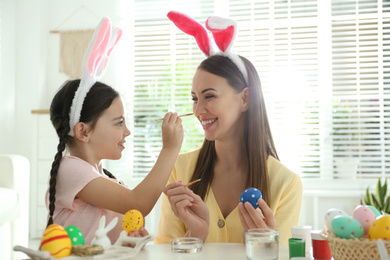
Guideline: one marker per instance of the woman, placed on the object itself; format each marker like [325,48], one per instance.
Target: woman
[238,152]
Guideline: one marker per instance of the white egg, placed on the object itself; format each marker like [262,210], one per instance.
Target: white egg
[330,215]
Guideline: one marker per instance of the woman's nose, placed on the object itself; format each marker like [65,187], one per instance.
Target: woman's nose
[198,108]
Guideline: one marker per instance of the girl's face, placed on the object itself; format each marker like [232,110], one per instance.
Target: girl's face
[107,139]
[218,106]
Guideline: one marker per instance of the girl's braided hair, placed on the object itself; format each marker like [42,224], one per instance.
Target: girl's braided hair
[98,99]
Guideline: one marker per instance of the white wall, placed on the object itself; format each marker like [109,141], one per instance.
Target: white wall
[30,58]
[7,76]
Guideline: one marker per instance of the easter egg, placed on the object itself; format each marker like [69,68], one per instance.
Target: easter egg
[56,241]
[380,228]
[75,235]
[376,212]
[132,220]
[347,227]
[251,195]
[365,216]
[331,214]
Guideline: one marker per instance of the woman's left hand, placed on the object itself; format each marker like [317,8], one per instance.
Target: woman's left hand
[256,218]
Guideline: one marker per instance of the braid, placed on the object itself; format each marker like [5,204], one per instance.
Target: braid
[63,134]
[109,174]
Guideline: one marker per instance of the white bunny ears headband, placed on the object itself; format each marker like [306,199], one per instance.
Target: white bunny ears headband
[224,33]
[94,65]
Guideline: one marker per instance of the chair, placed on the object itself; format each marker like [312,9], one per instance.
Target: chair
[14,204]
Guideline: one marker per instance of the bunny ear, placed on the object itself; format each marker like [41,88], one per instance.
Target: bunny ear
[111,225]
[116,35]
[113,40]
[223,30]
[189,26]
[102,222]
[97,47]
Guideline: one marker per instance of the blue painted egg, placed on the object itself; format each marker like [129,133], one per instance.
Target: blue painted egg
[251,195]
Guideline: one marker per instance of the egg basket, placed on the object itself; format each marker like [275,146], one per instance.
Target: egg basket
[354,248]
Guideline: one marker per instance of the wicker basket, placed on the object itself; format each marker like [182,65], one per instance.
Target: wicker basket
[353,249]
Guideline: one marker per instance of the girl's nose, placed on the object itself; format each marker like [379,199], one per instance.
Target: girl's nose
[127,131]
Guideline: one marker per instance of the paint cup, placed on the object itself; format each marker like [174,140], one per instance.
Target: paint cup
[296,247]
[321,249]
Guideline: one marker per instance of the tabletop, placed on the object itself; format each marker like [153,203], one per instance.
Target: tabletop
[209,251]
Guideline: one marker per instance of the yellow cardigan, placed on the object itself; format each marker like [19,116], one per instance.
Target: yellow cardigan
[286,199]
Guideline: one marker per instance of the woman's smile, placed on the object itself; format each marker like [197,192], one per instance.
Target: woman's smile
[208,122]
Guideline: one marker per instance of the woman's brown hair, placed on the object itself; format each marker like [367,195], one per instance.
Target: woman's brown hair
[98,99]
[258,137]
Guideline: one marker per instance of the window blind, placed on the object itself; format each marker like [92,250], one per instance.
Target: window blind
[165,60]
[281,40]
[325,72]
[360,88]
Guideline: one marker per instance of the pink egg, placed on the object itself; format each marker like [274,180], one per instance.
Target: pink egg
[365,216]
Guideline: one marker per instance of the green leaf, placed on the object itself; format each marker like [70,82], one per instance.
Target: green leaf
[384,189]
[378,193]
[374,202]
[367,197]
[386,209]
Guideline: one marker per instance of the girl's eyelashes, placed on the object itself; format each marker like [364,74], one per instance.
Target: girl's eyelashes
[209,96]
[194,99]
[120,123]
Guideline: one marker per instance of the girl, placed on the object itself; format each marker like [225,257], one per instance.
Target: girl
[89,119]
[80,190]
[238,152]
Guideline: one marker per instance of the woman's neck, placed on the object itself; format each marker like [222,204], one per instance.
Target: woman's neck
[232,154]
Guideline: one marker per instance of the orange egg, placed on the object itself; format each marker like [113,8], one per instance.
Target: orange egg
[56,241]
[380,228]
[132,220]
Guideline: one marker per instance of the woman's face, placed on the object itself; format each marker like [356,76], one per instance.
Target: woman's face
[219,108]
[108,137]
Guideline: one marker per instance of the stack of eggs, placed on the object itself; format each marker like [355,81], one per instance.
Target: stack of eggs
[366,222]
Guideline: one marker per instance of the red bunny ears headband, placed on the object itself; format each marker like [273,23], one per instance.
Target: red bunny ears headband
[224,33]
[94,65]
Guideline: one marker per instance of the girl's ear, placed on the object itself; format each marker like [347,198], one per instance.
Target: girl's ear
[245,99]
[81,132]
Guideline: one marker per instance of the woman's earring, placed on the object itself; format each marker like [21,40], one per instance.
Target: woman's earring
[87,140]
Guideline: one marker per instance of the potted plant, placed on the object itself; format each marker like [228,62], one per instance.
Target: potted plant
[380,200]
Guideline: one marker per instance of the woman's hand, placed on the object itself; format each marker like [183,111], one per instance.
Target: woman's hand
[256,218]
[189,208]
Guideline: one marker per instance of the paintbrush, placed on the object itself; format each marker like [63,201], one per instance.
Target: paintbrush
[189,184]
[159,119]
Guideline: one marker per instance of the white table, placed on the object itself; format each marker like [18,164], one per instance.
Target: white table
[210,251]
